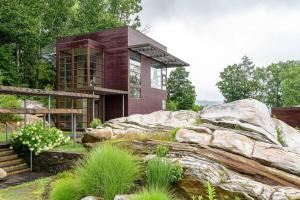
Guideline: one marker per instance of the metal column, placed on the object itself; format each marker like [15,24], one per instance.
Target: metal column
[25,115]
[49,106]
[123,104]
[103,112]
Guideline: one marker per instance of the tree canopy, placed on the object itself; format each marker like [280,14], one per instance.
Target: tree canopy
[276,85]
[181,92]
[29,29]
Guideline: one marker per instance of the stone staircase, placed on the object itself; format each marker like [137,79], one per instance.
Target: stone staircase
[11,162]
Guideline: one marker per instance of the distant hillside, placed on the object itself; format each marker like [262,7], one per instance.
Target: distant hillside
[207,103]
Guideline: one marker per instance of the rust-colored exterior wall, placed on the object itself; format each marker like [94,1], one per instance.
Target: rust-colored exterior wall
[291,115]
[114,43]
[151,98]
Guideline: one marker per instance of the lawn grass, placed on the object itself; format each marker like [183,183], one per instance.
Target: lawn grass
[26,191]
[3,137]
[70,147]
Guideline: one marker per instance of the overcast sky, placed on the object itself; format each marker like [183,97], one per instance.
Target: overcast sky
[211,34]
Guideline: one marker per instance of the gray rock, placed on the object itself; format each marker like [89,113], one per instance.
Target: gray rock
[190,136]
[123,197]
[233,142]
[3,174]
[92,198]
[247,114]
[97,135]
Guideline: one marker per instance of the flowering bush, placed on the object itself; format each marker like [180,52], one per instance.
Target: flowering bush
[37,138]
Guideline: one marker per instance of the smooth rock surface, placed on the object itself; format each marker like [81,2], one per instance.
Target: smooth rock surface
[3,174]
[233,142]
[190,136]
[248,114]
[97,135]
[92,198]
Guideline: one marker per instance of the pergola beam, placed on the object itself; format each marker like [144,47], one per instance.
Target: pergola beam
[39,111]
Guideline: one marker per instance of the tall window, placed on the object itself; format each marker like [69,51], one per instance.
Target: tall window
[135,75]
[80,68]
[65,69]
[158,75]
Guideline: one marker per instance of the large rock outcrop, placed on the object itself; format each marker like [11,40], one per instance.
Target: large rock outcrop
[235,148]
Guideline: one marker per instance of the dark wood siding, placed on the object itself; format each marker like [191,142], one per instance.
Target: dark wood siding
[151,99]
[290,116]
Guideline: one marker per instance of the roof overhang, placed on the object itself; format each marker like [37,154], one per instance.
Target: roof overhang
[101,90]
[159,55]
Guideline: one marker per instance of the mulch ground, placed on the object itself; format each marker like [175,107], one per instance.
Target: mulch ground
[22,178]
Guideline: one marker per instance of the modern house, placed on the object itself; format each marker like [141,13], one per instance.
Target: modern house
[127,69]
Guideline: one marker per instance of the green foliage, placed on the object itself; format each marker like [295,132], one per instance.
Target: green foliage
[153,194]
[9,101]
[197,108]
[276,85]
[29,30]
[180,89]
[280,135]
[200,197]
[161,173]
[96,122]
[237,81]
[174,132]
[37,138]
[290,79]
[108,171]
[161,150]
[171,105]
[211,191]
[158,173]
[198,121]
[66,189]
[176,173]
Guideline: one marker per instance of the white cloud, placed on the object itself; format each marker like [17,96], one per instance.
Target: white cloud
[211,42]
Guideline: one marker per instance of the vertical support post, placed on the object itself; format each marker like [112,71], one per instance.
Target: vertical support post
[123,104]
[44,120]
[25,115]
[31,160]
[74,129]
[6,132]
[49,106]
[93,107]
[103,108]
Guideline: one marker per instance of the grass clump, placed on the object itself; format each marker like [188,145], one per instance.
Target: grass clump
[161,173]
[66,189]
[96,122]
[153,194]
[161,150]
[280,136]
[174,132]
[198,121]
[108,171]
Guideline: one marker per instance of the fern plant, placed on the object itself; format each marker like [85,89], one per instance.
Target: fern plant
[211,191]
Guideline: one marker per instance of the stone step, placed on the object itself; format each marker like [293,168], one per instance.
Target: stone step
[15,167]
[4,146]
[6,152]
[8,157]
[18,171]
[11,162]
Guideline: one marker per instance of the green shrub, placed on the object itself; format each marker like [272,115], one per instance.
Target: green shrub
[197,108]
[66,189]
[171,106]
[108,171]
[37,138]
[158,173]
[280,136]
[161,150]
[9,101]
[153,194]
[96,122]
[176,173]
[211,191]
[198,121]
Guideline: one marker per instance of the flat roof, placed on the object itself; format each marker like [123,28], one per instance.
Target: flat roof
[159,55]
[40,92]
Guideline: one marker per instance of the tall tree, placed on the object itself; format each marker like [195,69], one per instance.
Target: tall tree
[237,81]
[93,15]
[180,89]
[290,84]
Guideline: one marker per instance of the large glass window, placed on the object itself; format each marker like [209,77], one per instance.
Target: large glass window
[135,75]
[80,68]
[158,75]
[65,69]
[96,68]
